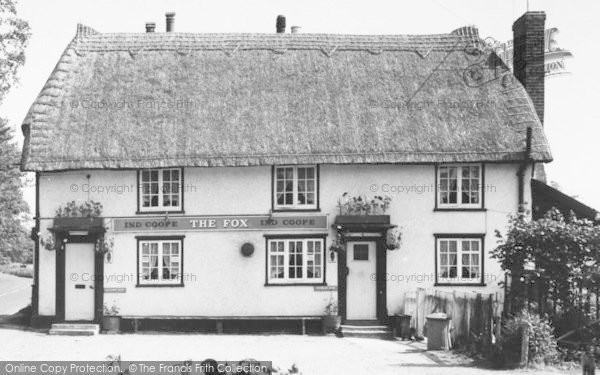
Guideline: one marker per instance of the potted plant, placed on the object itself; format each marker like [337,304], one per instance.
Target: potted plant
[331,320]
[111,321]
[79,216]
[393,239]
[363,210]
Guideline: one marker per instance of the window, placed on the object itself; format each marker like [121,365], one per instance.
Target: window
[160,190]
[160,261]
[361,252]
[291,261]
[459,260]
[459,186]
[295,187]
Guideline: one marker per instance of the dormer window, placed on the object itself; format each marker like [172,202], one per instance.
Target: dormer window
[295,187]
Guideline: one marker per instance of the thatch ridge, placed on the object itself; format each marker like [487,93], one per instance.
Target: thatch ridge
[257,99]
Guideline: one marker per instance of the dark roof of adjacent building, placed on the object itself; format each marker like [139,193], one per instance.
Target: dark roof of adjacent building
[546,197]
[181,99]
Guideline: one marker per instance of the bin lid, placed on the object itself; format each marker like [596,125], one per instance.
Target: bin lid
[437,316]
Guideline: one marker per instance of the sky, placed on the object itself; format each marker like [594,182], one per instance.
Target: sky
[571,118]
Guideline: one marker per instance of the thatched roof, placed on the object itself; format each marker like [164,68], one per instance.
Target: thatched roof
[181,99]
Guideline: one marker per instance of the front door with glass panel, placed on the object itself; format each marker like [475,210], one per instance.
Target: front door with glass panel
[79,281]
[361,286]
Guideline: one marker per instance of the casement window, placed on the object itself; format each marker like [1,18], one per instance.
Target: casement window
[459,186]
[459,260]
[295,261]
[160,190]
[160,261]
[295,187]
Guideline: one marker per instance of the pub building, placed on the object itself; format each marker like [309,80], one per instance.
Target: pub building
[223,164]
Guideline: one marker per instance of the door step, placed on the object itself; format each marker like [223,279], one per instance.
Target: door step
[366,329]
[74,329]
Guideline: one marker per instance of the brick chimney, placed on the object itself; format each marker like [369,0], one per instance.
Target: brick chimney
[528,56]
[150,27]
[528,65]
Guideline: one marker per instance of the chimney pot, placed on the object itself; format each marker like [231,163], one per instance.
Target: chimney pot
[150,27]
[280,24]
[295,29]
[170,21]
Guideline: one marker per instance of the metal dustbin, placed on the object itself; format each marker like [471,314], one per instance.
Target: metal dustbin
[438,331]
[402,326]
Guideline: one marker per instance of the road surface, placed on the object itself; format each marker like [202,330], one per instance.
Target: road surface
[15,293]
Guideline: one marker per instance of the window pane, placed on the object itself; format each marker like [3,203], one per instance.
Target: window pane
[443,246]
[452,246]
[361,252]
[452,197]
[452,272]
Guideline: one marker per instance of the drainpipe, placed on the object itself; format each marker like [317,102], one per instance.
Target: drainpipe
[521,173]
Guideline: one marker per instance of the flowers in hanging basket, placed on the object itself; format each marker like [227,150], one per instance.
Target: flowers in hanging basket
[337,245]
[48,242]
[393,239]
[105,245]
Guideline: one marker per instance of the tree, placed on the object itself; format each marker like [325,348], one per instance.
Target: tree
[14,242]
[14,34]
[557,255]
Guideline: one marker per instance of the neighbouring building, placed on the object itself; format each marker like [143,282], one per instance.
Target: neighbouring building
[220,159]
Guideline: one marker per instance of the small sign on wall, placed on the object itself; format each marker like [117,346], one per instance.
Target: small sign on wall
[325,288]
[115,290]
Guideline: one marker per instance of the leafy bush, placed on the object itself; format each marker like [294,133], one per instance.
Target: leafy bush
[542,343]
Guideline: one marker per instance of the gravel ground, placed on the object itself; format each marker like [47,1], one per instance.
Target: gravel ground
[312,354]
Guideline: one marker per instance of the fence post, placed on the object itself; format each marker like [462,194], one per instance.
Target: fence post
[524,328]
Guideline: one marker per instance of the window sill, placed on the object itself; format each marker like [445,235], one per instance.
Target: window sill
[460,284]
[459,209]
[296,210]
[297,284]
[159,212]
[159,285]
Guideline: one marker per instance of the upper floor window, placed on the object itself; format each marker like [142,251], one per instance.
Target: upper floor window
[295,261]
[295,187]
[459,186]
[160,190]
[459,260]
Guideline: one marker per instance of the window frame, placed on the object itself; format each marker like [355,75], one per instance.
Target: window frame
[159,209]
[459,206]
[458,281]
[305,281]
[160,283]
[295,206]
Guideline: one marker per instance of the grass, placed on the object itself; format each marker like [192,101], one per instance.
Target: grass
[17,269]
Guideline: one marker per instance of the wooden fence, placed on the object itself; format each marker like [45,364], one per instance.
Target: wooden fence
[474,317]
